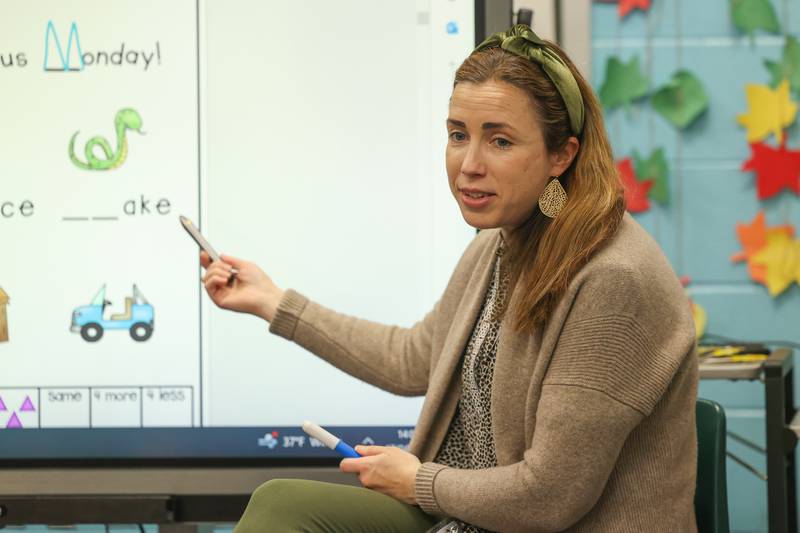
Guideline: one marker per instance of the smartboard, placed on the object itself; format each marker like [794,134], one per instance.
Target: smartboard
[305,136]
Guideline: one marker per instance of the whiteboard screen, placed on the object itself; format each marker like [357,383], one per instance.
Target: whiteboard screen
[305,136]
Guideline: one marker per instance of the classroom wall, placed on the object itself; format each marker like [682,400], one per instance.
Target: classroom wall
[710,193]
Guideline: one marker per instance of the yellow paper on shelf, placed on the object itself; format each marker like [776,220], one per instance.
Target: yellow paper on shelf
[770,111]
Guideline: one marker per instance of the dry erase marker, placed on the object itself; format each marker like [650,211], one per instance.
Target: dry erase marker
[201,241]
[331,441]
[198,238]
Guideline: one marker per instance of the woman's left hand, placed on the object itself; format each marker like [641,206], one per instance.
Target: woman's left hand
[386,469]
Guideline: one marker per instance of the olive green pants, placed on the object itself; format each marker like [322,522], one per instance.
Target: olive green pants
[289,505]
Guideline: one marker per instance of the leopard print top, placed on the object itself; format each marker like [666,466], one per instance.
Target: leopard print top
[469,443]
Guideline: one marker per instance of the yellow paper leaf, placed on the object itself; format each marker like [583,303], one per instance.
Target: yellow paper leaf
[700,319]
[781,256]
[770,111]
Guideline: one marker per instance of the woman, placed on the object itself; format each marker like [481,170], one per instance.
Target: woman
[558,366]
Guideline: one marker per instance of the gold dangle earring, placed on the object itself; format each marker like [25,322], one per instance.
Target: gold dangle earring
[553,198]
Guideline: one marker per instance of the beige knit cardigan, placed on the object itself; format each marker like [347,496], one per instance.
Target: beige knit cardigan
[593,414]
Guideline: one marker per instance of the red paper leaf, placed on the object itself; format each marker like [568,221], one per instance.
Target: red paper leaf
[776,169]
[635,191]
[626,6]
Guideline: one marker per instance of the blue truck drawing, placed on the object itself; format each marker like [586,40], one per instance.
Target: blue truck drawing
[89,321]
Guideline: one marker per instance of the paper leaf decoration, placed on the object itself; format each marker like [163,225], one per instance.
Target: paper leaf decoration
[753,238]
[681,100]
[770,111]
[751,15]
[624,83]
[626,6]
[781,257]
[776,169]
[654,168]
[635,190]
[700,319]
[789,67]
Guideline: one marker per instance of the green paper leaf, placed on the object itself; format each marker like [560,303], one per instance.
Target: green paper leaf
[681,100]
[789,67]
[654,168]
[624,83]
[752,15]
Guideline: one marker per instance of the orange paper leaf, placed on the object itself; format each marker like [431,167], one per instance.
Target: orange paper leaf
[626,6]
[753,238]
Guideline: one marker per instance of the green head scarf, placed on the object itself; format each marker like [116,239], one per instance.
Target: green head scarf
[520,40]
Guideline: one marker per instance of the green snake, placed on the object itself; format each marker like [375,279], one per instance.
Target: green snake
[126,119]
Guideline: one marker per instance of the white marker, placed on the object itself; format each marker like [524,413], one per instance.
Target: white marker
[192,230]
[331,441]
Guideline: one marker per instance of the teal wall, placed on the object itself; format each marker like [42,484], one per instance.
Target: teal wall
[709,192]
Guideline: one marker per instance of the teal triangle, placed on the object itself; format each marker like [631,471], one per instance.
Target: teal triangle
[14,423]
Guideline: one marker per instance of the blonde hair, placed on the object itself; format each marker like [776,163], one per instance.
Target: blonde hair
[543,255]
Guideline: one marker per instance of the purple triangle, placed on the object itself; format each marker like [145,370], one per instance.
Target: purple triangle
[14,423]
[2,405]
[27,405]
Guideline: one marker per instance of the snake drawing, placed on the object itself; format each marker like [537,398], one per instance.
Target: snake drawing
[126,119]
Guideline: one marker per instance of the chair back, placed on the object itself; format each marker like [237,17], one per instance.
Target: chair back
[711,495]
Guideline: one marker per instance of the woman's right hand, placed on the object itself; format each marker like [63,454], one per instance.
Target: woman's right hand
[251,290]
